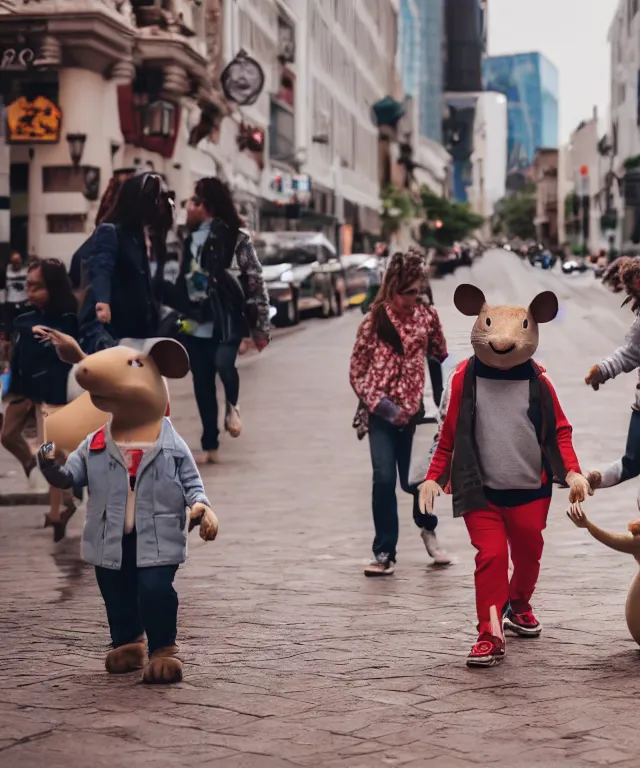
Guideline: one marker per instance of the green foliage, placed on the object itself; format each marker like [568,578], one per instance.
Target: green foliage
[397,206]
[458,220]
[632,162]
[515,214]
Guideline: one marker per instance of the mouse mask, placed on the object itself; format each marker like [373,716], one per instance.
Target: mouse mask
[504,336]
[125,381]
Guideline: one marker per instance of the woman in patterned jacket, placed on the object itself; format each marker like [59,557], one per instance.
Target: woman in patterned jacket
[387,374]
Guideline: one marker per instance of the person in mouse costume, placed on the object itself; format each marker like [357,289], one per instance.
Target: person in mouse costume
[503,439]
[141,478]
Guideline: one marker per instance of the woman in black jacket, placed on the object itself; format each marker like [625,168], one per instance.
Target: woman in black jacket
[120,295]
[38,377]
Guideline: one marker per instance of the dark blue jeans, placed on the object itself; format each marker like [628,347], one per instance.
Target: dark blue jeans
[631,458]
[391,458]
[139,600]
[210,358]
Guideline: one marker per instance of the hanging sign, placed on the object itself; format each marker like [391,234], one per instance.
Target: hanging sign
[242,80]
[36,121]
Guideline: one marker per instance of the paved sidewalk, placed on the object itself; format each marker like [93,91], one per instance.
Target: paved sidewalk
[292,657]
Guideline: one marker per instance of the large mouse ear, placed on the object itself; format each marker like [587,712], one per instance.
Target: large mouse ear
[544,308]
[170,357]
[469,300]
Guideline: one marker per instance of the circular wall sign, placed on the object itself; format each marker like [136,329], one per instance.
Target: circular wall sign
[242,80]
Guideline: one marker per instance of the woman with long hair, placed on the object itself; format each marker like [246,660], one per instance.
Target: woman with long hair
[38,376]
[120,293]
[221,293]
[387,373]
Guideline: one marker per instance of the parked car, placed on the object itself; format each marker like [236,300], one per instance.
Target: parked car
[360,270]
[303,273]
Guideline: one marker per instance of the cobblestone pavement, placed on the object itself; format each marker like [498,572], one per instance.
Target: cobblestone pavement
[293,658]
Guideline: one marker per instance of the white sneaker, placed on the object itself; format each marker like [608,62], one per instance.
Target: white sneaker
[432,545]
[232,422]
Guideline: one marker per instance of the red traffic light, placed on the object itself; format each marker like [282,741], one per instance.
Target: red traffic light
[584,170]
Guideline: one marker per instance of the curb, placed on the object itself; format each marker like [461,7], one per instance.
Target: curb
[26,499]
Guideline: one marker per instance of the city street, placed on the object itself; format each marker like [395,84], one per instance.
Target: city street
[292,657]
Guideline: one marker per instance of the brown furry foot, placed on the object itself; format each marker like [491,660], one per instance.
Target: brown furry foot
[164,667]
[126,658]
[594,479]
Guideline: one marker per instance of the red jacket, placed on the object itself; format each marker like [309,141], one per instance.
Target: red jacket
[557,448]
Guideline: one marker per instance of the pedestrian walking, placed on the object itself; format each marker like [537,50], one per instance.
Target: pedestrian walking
[38,377]
[120,301]
[79,260]
[15,292]
[387,373]
[624,272]
[221,294]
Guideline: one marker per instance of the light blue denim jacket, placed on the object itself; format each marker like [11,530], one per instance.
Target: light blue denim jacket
[167,483]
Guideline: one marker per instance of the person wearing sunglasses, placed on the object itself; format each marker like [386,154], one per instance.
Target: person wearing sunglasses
[387,373]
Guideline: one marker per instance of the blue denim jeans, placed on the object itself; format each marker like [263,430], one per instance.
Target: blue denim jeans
[139,600]
[391,458]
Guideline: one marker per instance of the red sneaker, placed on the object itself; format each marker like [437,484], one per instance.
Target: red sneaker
[487,652]
[522,624]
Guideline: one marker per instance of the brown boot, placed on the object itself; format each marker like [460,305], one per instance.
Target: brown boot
[164,667]
[127,658]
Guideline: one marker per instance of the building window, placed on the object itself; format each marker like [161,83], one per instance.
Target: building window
[66,223]
[281,132]
[62,178]
[19,178]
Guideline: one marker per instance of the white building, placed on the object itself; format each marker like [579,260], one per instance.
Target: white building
[125,84]
[585,170]
[489,158]
[351,48]
[624,34]
[137,87]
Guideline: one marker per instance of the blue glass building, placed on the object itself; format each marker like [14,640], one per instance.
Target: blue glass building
[530,83]
[420,38]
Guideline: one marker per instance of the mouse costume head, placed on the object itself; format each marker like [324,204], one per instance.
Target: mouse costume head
[504,336]
[127,381]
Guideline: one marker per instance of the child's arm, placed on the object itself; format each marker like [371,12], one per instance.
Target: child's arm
[190,479]
[625,359]
[74,472]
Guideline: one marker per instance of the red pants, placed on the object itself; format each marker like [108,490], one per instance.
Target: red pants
[493,532]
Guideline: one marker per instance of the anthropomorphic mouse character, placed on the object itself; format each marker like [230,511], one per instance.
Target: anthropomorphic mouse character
[629,543]
[141,478]
[503,440]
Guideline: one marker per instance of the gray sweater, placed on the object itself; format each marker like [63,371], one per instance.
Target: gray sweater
[625,359]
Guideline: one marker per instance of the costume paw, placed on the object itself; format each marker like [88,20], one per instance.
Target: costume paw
[126,658]
[164,667]
[594,479]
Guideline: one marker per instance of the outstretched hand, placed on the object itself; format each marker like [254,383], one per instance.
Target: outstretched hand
[594,378]
[67,348]
[577,516]
[579,488]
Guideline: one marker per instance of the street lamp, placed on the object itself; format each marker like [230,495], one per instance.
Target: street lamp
[76,147]
[157,119]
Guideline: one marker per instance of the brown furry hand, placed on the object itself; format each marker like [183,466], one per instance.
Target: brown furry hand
[429,490]
[594,479]
[594,377]
[201,514]
[579,487]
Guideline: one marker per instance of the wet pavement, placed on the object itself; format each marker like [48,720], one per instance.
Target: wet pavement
[292,657]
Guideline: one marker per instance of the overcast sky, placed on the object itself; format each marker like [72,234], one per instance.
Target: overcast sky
[573,35]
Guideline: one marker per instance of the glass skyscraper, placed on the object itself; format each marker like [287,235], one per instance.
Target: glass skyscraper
[431,75]
[530,83]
